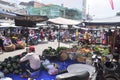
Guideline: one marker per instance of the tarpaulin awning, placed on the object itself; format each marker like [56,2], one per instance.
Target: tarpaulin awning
[105,21]
[63,21]
[29,20]
[23,20]
[34,18]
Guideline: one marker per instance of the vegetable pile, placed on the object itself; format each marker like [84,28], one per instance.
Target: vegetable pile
[51,52]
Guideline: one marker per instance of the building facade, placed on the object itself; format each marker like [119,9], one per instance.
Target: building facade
[51,11]
[12,7]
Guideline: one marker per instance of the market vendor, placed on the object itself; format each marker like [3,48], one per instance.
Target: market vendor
[7,41]
[30,61]
[86,37]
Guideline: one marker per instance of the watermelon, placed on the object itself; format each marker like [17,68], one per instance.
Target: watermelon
[9,58]
[15,72]
[11,69]
[5,71]
[8,65]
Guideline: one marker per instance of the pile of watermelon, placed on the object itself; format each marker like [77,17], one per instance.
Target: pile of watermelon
[11,65]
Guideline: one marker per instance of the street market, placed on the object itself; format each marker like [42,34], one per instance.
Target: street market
[35,47]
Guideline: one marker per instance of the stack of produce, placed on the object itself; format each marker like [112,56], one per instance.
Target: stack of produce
[103,50]
[51,53]
[83,53]
[11,65]
[84,50]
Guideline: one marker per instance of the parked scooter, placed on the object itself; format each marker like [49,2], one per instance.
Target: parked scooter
[33,40]
[51,37]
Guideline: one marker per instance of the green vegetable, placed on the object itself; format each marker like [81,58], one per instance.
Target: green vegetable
[105,51]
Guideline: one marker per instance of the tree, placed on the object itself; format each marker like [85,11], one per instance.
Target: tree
[73,14]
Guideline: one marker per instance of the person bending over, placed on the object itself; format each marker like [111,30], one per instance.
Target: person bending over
[31,61]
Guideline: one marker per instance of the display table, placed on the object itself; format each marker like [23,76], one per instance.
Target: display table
[81,68]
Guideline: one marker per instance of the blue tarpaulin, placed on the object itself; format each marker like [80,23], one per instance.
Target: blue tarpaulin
[44,74]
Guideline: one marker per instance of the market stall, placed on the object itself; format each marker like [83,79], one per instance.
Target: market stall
[110,71]
[107,23]
[63,21]
[61,57]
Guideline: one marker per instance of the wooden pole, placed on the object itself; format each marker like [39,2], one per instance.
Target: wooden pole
[59,35]
[114,38]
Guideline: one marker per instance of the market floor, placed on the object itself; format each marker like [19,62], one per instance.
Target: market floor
[39,48]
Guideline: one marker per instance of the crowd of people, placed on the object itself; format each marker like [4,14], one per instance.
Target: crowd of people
[33,36]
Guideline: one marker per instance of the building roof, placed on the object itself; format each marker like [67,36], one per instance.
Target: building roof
[4,2]
[30,3]
[105,21]
[63,21]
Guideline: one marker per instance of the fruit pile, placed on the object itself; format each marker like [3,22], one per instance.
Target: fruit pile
[11,65]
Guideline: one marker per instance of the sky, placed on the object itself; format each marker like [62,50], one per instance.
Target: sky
[95,8]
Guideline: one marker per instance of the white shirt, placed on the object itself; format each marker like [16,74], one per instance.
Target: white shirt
[34,60]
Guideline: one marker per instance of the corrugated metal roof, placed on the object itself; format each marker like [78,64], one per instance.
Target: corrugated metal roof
[105,21]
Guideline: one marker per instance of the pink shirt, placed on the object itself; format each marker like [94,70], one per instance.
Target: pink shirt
[34,60]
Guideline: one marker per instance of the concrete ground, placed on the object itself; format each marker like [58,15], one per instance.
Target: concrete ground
[39,48]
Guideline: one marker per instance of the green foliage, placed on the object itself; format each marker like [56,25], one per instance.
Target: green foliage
[60,48]
[105,51]
[52,52]
[49,51]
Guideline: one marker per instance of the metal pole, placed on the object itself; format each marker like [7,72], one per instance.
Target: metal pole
[59,36]
[84,9]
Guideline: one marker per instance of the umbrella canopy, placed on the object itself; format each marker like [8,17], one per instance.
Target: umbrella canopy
[63,21]
[105,21]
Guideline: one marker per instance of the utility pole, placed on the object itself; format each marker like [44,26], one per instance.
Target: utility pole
[63,10]
[83,9]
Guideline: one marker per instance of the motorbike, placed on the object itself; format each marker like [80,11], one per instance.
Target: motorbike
[110,70]
[51,37]
[33,40]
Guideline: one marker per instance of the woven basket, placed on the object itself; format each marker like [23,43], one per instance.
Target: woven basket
[10,47]
[81,59]
[63,56]
[20,45]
